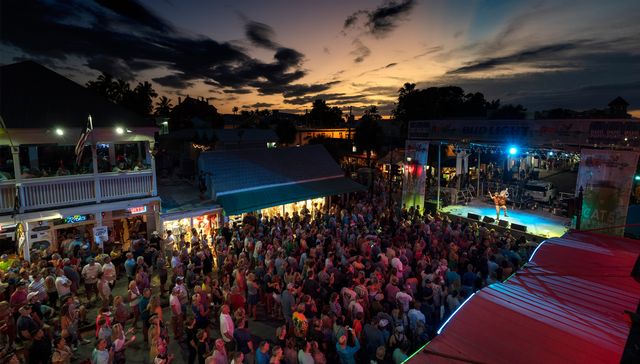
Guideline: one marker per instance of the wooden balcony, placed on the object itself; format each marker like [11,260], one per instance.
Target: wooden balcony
[64,191]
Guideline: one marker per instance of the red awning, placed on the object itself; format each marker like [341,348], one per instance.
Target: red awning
[566,306]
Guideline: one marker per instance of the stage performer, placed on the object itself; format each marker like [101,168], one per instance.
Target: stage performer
[500,200]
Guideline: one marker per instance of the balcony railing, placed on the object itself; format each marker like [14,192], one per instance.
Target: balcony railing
[51,192]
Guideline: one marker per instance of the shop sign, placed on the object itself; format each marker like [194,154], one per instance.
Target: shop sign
[75,218]
[137,210]
[101,234]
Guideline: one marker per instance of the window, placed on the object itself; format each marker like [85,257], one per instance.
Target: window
[6,163]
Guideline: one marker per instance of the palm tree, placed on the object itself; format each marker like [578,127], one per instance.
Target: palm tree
[163,106]
[104,86]
[235,110]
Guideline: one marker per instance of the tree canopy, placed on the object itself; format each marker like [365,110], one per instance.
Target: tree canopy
[322,115]
[139,99]
[369,136]
[450,102]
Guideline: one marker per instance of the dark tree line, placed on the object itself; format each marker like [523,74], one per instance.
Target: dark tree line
[138,99]
[450,102]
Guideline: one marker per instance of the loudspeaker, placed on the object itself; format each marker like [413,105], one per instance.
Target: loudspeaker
[519,227]
[473,216]
[488,220]
[503,223]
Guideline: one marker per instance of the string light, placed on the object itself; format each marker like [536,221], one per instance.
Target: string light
[201,147]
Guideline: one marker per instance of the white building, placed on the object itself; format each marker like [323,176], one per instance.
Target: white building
[43,191]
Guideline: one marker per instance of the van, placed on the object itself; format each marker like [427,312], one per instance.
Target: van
[540,191]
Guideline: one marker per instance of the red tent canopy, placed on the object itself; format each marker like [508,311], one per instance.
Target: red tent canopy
[565,306]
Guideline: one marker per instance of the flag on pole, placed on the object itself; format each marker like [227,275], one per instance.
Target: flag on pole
[83,139]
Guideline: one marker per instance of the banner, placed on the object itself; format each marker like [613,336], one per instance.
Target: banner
[101,234]
[414,177]
[606,177]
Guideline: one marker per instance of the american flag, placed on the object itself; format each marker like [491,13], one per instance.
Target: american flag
[83,139]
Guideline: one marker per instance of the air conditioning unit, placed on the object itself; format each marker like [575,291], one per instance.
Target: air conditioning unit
[41,236]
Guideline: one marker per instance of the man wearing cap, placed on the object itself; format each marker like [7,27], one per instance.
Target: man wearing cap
[90,275]
[25,324]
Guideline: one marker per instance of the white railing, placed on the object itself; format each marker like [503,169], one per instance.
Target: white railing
[7,196]
[116,186]
[50,192]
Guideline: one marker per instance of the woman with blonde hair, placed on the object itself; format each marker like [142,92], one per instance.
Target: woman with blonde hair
[154,307]
[120,310]
[120,343]
[134,298]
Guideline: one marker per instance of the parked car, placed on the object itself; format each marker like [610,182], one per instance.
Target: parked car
[540,191]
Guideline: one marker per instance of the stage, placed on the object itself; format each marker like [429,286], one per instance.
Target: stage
[539,223]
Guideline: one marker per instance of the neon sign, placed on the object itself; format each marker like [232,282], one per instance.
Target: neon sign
[75,218]
[137,210]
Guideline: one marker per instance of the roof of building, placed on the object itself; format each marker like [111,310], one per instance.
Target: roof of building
[252,179]
[618,101]
[566,306]
[226,136]
[234,170]
[33,96]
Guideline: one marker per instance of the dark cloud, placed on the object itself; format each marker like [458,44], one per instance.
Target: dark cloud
[524,56]
[260,34]
[333,98]
[173,81]
[390,65]
[130,35]
[352,19]
[240,91]
[360,52]
[113,66]
[258,105]
[134,11]
[383,19]
[593,79]
[429,51]
[301,89]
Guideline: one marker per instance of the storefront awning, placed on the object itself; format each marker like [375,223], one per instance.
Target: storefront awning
[237,203]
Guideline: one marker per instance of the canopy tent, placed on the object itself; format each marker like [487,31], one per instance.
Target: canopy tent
[254,200]
[566,306]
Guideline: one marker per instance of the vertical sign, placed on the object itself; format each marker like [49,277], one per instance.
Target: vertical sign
[414,177]
[101,234]
[606,177]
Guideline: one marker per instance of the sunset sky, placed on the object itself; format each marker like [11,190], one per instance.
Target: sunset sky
[284,54]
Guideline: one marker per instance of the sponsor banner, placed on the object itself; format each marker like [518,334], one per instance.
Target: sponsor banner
[606,177]
[415,174]
[101,234]
[530,132]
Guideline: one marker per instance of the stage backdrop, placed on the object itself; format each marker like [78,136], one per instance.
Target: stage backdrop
[606,177]
[415,176]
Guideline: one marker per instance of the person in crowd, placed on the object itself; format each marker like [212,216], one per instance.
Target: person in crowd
[90,275]
[62,353]
[101,354]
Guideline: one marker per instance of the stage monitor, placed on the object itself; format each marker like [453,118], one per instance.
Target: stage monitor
[473,216]
[488,220]
[503,223]
[519,227]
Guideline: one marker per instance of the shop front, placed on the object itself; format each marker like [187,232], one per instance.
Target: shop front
[206,222]
[67,230]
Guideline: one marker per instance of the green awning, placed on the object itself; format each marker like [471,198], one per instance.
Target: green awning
[237,203]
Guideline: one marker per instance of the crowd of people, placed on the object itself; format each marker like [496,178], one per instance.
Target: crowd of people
[357,281]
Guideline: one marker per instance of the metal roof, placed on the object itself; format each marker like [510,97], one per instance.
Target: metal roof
[566,306]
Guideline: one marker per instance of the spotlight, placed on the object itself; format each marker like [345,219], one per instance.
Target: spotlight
[59,132]
[120,130]
[513,150]
[550,154]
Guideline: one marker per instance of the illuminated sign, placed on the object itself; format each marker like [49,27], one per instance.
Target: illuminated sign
[75,218]
[138,210]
